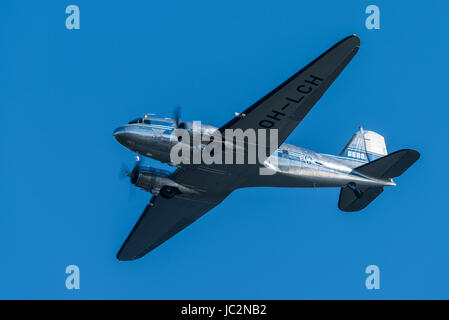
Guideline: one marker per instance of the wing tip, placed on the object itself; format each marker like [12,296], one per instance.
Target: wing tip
[122,257]
[131,255]
[355,39]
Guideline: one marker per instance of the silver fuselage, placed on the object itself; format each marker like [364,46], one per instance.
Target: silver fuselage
[293,166]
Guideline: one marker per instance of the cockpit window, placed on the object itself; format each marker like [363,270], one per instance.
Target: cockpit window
[135,121]
[140,120]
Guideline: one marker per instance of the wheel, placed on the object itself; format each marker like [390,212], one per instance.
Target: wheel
[168,192]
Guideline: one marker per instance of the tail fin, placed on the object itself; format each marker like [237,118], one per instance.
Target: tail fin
[365,145]
[393,165]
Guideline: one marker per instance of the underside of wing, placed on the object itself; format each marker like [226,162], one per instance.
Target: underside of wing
[289,103]
[162,219]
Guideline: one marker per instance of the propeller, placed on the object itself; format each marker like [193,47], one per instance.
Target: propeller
[124,171]
[177,115]
[133,174]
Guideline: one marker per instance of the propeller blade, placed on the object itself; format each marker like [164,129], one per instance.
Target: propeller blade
[177,115]
[124,171]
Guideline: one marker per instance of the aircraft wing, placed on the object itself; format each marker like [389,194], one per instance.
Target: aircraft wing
[162,219]
[281,109]
[285,107]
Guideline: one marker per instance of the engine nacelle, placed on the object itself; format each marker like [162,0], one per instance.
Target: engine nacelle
[206,130]
[153,180]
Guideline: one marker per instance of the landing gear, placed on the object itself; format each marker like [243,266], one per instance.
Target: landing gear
[355,189]
[168,192]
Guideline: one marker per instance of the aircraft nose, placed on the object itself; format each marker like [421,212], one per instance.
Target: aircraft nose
[124,137]
[118,133]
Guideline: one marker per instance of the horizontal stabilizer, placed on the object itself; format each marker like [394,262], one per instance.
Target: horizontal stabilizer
[351,200]
[390,166]
[355,198]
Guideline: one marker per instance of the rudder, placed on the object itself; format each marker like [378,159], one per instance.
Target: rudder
[365,145]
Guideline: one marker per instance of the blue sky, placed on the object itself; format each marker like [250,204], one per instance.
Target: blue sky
[64,91]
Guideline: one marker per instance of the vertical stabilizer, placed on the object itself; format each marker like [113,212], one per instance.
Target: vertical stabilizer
[365,145]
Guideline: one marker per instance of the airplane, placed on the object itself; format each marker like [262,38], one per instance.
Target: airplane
[361,170]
